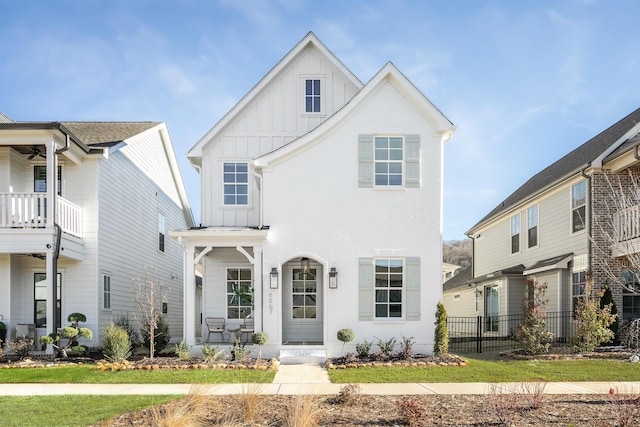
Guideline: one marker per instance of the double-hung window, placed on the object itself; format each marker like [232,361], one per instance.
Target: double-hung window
[532,226]
[388,159]
[312,95]
[239,293]
[578,206]
[236,183]
[515,233]
[578,285]
[389,287]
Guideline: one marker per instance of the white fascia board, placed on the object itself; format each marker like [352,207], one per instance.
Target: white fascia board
[221,237]
[196,151]
[388,72]
[597,162]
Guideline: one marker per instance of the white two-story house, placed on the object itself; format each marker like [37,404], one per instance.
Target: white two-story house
[85,209]
[323,195]
[557,227]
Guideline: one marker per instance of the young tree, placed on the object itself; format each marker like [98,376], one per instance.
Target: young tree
[441,334]
[593,322]
[532,333]
[148,299]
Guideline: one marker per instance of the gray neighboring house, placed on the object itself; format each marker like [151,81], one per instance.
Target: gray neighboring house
[545,231]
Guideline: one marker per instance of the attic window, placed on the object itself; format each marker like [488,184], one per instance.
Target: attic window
[312,95]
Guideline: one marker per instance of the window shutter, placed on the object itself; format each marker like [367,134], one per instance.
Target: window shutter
[365,161]
[412,288]
[412,161]
[365,289]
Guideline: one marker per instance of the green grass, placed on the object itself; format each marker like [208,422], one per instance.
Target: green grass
[40,411]
[88,375]
[495,371]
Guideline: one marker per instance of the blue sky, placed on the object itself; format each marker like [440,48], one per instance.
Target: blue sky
[524,81]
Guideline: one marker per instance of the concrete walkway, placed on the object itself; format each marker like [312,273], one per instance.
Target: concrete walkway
[309,379]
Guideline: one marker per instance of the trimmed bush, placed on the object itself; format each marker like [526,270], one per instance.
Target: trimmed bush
[116,345]
[442,335]
[345,335]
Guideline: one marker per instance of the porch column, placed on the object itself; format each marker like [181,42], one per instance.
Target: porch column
[257,289]
[189,274]
[52,184]
[52,280]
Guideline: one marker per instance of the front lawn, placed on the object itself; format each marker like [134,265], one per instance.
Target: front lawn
[88,375]
[495,371]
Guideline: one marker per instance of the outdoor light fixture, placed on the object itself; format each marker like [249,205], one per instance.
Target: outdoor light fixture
[305,266]
[274,278]
[333,278]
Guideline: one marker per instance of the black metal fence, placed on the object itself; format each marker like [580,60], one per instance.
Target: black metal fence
[492,333]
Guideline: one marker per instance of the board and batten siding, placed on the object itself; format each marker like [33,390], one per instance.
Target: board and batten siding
[493,250]
[272,119]
[129,203]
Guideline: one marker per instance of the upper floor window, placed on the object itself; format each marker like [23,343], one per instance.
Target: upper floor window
[388,160]
[515,233]
[578,206]
[532,226]
[161,232]
[236,183]
[312,95]
[389,279]
[40,179]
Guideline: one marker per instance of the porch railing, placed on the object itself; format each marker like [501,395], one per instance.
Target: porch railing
[626,224]
[29,210]
[480,334]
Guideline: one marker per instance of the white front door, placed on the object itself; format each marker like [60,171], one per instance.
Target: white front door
[302,306]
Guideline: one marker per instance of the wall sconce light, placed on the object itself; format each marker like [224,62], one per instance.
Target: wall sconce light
[273,284]
[305,266]
[333,278]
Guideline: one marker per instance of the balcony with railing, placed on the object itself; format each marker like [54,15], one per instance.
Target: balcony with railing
[29,210]
[626,231]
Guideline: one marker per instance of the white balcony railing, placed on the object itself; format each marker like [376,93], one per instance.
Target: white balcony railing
[28,210]
[626,224]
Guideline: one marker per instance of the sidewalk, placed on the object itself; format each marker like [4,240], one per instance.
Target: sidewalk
[307,379]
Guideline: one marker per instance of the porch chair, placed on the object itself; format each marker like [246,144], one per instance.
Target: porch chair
[215,325]
[27,331]
[246,327]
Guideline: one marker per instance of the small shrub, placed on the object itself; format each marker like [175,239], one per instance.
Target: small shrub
[350,395]
[345,335]
[441,345]
[239,354]
[161,338]
[124,323]
[211,354]
[413,412]
[21,347]
[301,412]
[504,406]
[183,350]
[386,347]
[406,348]
[116,345]
[363,349]
[532,394]
[593,322]
[532,333]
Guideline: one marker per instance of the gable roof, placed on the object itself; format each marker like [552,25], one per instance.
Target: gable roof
[389,71]
[309,39]
[107,133]
[591,152]
[460,280]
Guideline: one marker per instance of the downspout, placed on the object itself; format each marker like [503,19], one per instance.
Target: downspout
[66,144]
[589,233]
[257,173]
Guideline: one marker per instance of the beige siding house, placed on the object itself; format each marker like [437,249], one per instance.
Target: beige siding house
[90,203]
[550,230]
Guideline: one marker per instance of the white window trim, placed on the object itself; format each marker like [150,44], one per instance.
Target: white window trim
[537,207]
[303,95]
[249,205]
[388,319]
[571,208]
[511,234]
[110,308]
[403,162]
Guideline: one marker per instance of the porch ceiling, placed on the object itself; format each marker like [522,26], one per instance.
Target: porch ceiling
[221,236]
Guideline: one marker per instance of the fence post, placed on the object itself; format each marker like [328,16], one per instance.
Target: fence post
[479,335]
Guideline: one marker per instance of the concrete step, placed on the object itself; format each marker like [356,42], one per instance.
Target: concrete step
[298,355]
